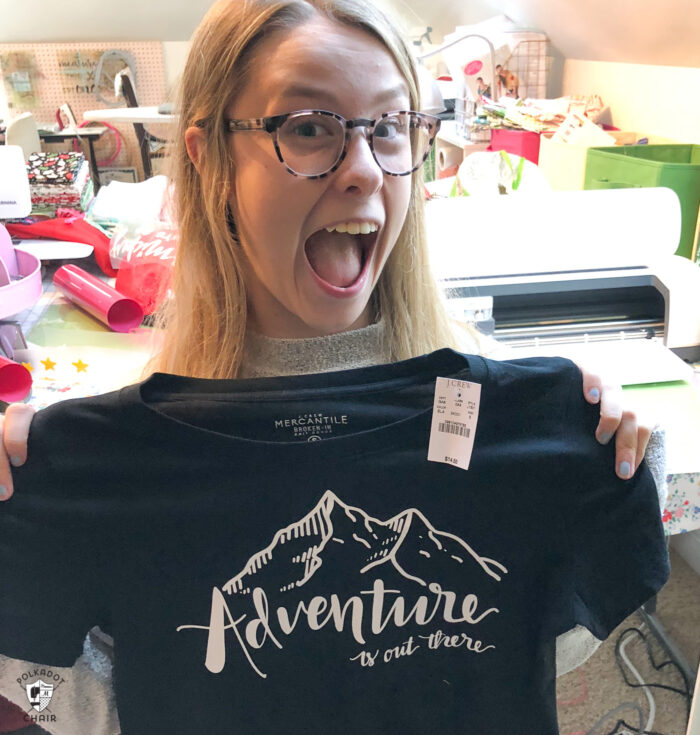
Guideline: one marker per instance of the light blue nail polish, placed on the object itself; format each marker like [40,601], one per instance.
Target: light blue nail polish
[3,492]
[605,437]
[594,394]
[625,469]
[15,461]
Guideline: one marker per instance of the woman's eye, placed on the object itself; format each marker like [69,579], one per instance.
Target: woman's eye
[389,128]
[310,130]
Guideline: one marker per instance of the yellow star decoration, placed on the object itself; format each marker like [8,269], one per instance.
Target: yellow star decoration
[28,365]
[48,363]
[80,366]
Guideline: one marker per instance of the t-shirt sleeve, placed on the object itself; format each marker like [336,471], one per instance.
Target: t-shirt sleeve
[49,591]
[611,529]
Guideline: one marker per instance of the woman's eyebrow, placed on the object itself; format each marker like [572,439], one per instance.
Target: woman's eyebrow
[302,90]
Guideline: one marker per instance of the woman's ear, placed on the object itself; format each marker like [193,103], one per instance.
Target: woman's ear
[195,143]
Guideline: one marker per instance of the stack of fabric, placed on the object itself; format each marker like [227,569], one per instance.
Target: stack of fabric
[59,180]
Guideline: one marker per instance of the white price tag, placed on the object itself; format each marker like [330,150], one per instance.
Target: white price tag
[455,415]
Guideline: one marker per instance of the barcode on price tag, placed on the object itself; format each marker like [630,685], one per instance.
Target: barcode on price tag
[454,427]
[455,415]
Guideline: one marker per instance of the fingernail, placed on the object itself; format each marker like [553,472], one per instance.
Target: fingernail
[625,470]
[3,492]
[594,394]
[605,437]
[15,461]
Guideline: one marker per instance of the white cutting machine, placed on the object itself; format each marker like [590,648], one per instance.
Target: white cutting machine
[571,267]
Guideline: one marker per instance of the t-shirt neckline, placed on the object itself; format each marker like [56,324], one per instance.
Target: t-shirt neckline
[137,400]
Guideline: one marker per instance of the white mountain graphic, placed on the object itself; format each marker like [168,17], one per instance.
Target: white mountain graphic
[408,542]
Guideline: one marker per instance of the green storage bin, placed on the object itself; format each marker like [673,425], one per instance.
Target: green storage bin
[674,166]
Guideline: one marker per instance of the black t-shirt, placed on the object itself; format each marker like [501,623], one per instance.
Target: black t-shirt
[278,555]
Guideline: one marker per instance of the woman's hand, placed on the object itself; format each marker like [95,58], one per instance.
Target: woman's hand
[14,427]
[631,437]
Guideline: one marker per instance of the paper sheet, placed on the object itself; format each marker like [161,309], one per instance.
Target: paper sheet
[627,362]
[676,407]
[71,355]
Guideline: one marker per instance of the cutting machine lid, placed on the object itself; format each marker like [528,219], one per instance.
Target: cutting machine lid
[554,232]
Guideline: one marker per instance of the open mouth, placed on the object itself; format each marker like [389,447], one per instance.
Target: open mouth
[339,255]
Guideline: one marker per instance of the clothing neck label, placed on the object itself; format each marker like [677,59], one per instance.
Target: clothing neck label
[455,414]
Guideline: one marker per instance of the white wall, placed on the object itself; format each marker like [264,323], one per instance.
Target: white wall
[174,57]
[26,21]
[658,100]
[623,31]
[441,15]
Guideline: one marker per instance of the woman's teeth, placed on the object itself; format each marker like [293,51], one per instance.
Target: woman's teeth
[354,228]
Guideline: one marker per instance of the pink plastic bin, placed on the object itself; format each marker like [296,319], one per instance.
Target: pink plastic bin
[519,142]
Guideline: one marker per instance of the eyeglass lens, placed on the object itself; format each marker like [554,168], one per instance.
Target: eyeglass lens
[311,143]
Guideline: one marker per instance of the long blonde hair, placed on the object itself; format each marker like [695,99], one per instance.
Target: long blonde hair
[205,323]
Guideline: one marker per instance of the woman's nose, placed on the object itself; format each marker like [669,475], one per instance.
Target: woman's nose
[359,171]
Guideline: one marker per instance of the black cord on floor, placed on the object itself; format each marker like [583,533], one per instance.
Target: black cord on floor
[618,658]
[619,708]
[622,723]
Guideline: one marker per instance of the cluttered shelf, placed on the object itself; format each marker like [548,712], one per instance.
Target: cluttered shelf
[492,79]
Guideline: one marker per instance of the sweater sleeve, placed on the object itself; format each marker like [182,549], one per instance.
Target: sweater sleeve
[470,340]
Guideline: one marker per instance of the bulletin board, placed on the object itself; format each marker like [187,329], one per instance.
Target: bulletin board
[39,78]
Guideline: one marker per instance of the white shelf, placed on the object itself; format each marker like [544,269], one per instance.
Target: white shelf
[448,133]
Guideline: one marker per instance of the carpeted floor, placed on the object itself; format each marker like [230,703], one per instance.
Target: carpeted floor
[587,694]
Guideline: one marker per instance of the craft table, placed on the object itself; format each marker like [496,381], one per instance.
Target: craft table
[70,353]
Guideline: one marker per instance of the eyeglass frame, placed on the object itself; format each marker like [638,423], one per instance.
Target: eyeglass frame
[273,123]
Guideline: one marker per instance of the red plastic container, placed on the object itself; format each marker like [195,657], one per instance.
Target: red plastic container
[15,382]
[519,142]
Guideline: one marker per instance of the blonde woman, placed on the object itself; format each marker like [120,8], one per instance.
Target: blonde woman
[224,289]
[302,250]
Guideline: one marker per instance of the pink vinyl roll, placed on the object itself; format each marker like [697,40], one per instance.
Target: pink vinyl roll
[15,381]
[98,298]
